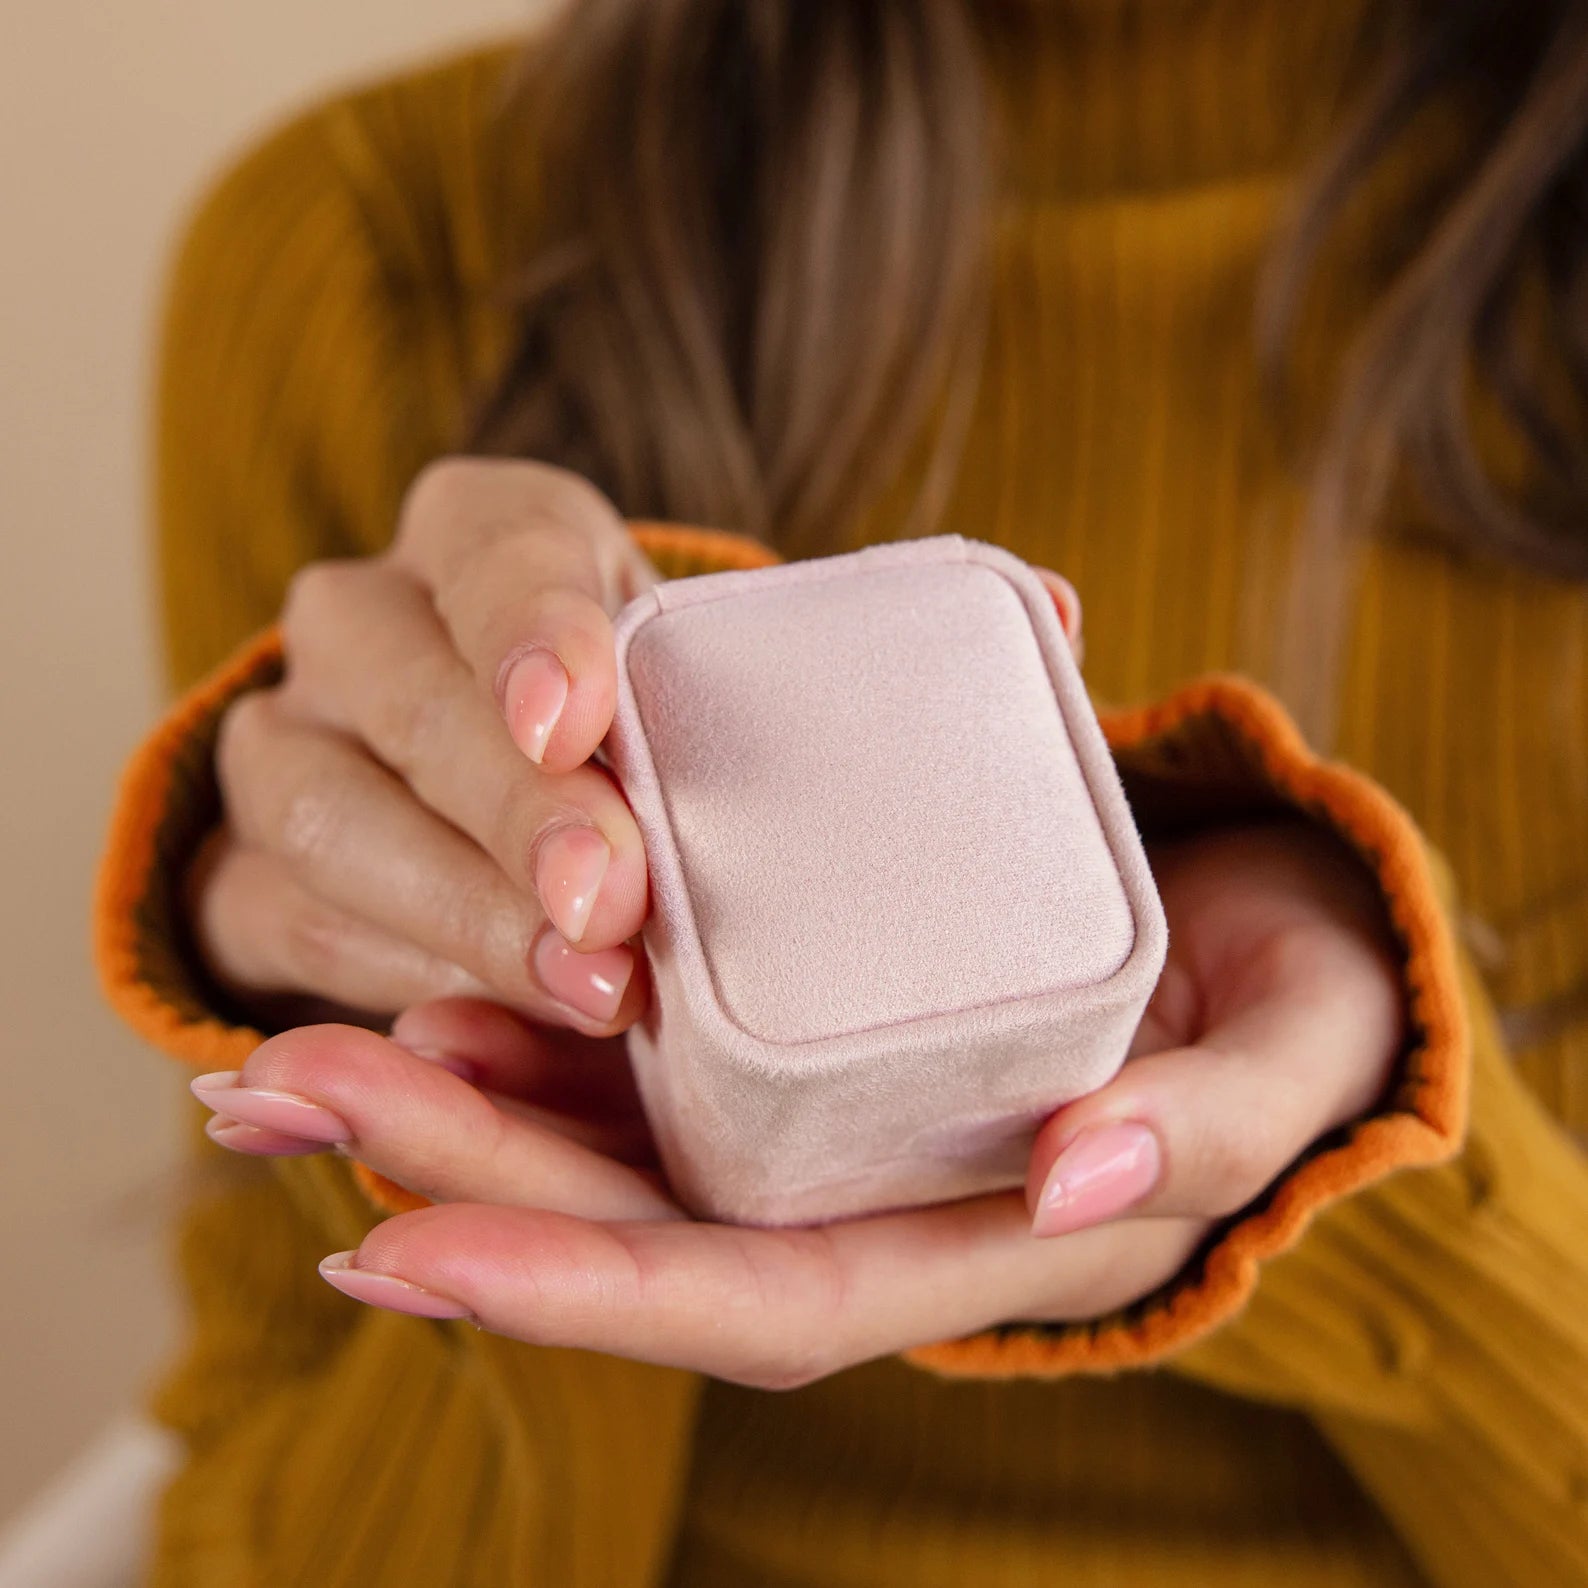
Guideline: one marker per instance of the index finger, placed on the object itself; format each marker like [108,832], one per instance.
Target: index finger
[525,564]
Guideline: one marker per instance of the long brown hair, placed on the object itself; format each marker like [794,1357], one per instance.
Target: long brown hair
[758,258]
[757,276]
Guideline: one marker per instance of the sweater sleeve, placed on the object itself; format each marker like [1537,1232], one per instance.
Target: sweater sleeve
[1436,1330]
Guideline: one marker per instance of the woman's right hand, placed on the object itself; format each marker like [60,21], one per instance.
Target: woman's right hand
[412,812]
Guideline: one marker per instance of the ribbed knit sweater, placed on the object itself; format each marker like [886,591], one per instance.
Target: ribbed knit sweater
[1398,1396]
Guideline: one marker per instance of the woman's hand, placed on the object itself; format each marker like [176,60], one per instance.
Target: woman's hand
[411,813]
[1278,1018]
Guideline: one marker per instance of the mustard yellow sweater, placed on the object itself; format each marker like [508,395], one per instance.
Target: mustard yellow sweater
[1397,1394]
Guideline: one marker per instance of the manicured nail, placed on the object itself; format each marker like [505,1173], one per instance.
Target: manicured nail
[593,984]
[1105,1170]
[386,1290]
[235,1136]
[533,697]
[284,1111]
[568,873]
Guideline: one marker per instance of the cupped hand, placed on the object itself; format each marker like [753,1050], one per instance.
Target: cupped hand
[413,811]
[1278,1019]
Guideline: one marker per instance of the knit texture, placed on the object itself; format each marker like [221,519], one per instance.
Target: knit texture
[1386,1388]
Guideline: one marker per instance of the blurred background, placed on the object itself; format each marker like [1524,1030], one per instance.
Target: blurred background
[111,119]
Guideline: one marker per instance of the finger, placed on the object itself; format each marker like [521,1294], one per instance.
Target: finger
[625,1143]
[421,1126]
[772,1308]
[1205,1130]
[582,1087]
[525,564]
[265,934]
[370,658]
[1068,602]
[505,1053]
[625,1139]
[351,833]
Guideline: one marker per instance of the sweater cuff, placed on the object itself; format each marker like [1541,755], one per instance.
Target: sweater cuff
[167,803]
[1220,750]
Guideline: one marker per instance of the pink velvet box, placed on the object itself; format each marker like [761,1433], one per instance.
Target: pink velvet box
[899,908]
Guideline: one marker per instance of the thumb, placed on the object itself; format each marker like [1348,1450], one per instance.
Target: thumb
[1204,1130]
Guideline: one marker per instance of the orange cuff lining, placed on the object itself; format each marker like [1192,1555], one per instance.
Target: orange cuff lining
[1422,1123]
[128,874]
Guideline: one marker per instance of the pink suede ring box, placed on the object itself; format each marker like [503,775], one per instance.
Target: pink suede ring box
[899,911]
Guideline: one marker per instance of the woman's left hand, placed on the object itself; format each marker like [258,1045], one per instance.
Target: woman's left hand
[1278,1018]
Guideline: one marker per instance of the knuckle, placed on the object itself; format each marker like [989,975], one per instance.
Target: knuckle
[438,493]
[452,489]
[803,1284]
[314,950]
[297,817]
[571,500]
[308,823]
[485,930]
[408,718]
[315,595]
[432,1161]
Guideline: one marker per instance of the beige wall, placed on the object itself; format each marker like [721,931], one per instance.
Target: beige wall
[110,115]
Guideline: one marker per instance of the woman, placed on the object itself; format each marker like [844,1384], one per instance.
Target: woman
[823,275]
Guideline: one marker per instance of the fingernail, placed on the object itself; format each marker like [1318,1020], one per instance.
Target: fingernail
[593,984]
[386,1290]
[235,1136]
[1105,1170]
[568,873]
[284,1111]
[533,697]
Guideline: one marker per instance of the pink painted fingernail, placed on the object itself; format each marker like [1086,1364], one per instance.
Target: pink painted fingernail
[533,696]
[386,1290]
[568,873]
[270,1110]
[593,984]
[235,1136]
[1105,1170]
